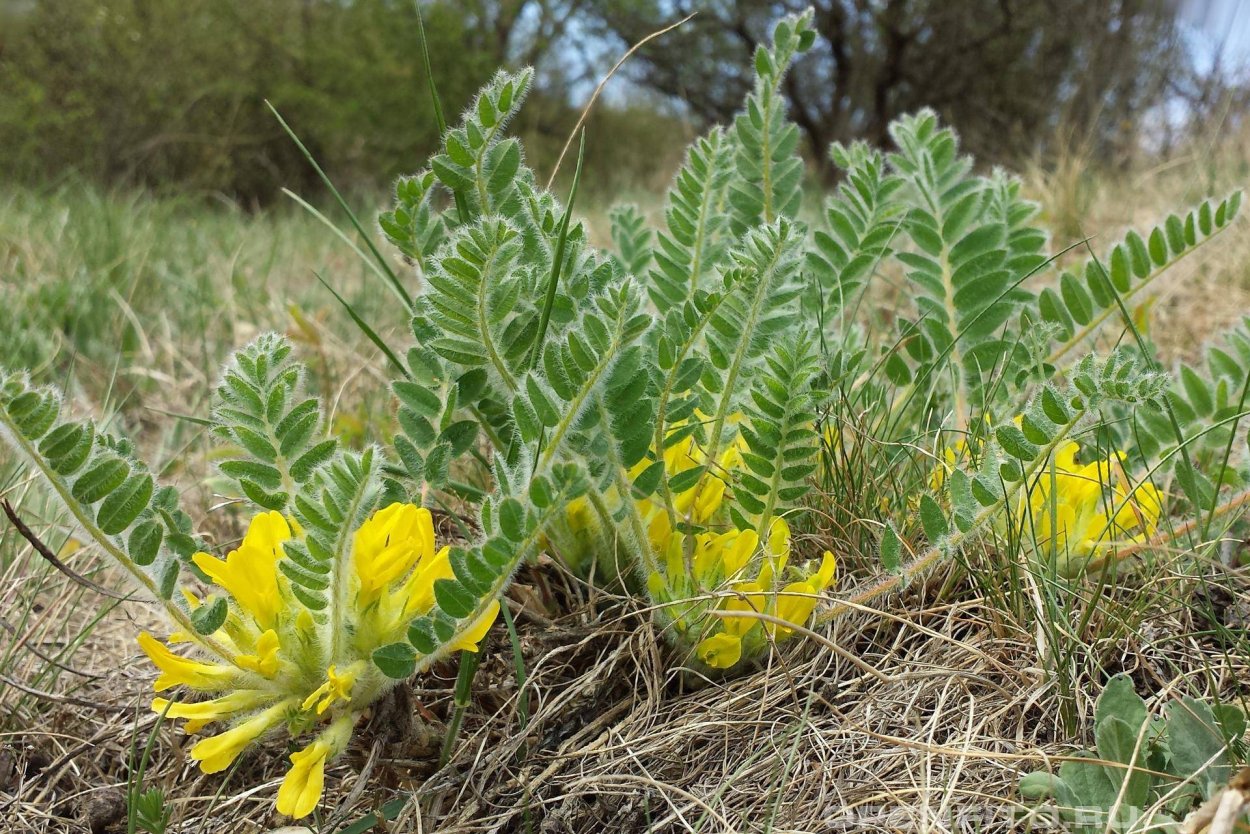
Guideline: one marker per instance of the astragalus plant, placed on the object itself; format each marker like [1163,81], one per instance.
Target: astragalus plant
[657,414]
[337,590]
[706,373]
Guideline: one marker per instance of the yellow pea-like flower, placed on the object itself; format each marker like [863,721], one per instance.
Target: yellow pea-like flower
[417,594]
[177,670]
[475,632]
[200,713]
[795,603]
[720,651]
[281,660]
[250,573]
[1075,514]
[389,544]
[216,753]
[748,597]
[710,497]
[338,687]
[265,661]
[739,549]
[304,784]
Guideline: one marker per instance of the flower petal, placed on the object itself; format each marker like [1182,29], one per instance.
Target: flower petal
[475,632]
[250,573]
[199,713]
[720,651]
[175,669]
[304,782]
[216,753]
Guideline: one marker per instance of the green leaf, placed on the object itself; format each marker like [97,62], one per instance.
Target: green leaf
[1038,785]
[454,598]
[123,505]
[460,436]
[986,490]
[1077,300]
[1138,255]
[168,580]
[1035,430]
[1054,407]
[70,460]
[61,441]
[1194,739]
[421,636]
[512,519]
[1197,391]
[891,549]
[1089,783]
[100,480]
[145,542]
[1231,720]
[437,464]
[275,501]
[1158,248]
[478,574]
[1120,700]
[1119,269]
[474,582]
[37,418]
[1116,743]
[397,660]
[418,397]
[308,463]
[542,404]
[962,501]
[210,616]
[932,518]
[486,113]
[896,369]
[1015,443]
[253,470]
[648,481]
[255,443]
[683,481]
[540,492]
[498,553]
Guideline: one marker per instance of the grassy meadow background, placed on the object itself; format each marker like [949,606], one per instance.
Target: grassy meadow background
[133,262]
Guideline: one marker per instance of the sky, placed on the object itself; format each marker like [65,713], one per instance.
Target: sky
[1219,29]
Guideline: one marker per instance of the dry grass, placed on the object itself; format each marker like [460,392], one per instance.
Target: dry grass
[956,706]
[1197,299]
[939,703]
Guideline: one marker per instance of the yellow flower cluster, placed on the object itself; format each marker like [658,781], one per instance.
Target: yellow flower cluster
[699,505]
[1073,515]
[742,634]
[1076,514]
[696,569]
[280,663]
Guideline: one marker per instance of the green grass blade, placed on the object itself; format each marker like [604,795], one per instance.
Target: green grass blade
[391,277]
[552,283]
[518,663]
[365,328]
[462,207]
[186,418]
[369,262]
[464,688]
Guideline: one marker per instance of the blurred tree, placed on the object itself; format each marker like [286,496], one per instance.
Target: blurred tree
[516,32]
[172,92]
[1008,74]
